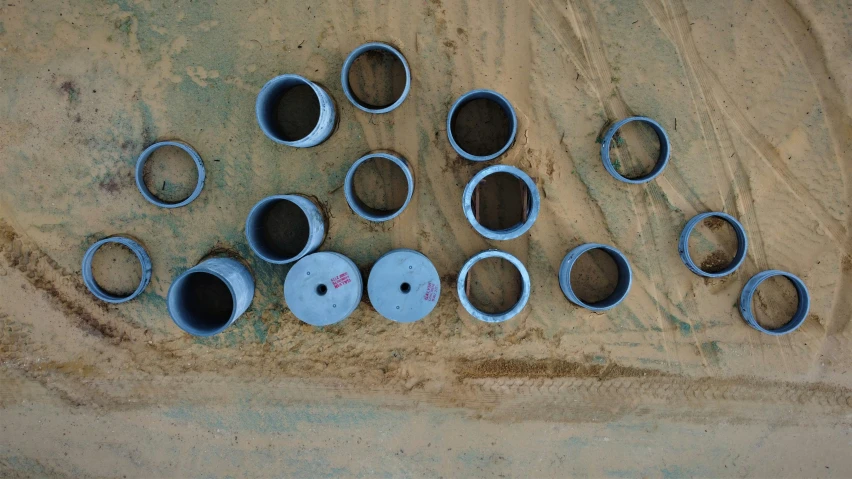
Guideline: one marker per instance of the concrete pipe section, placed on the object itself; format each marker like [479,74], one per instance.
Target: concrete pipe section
[493,317]
[404,286]
[622,287]
[801,310]
[140,174]
[739,257]
[491,96]
[281,229]
[294,129]
[89,279]
[206,299]
[662,160]
[358,206]
[323,288]
[533,203]
[347,87]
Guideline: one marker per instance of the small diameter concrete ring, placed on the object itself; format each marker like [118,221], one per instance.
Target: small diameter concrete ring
[801,311]
[267,105]
[487,95]
[533,203]
[140,170]
[493,317]
[662,160]
[89,279]
[347,88]
[358,206]
[742,244]
[625,277]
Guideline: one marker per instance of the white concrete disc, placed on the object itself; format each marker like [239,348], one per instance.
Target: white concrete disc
[404,286]
[323,288]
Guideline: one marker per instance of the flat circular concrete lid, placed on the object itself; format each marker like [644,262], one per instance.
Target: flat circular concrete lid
[404,286]
[323,288]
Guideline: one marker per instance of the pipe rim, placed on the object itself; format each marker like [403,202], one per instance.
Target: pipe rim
[347,88]
[742,244]
[308,208]
[181,322]
[625,277]
[513,231]
[89,278]
[358,206]
[802,308]
[317,135]
[662,159]
[492,95]
[140,166]
[493,317]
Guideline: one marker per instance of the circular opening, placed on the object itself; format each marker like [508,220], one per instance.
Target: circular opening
[289,109]
[405,288]
[377,79]
[170,174]
[380,186]
[322,289]
[116,270]
[280,230]
[594,276]
[501,201]
[713,244]
[481,127]
[204,302]
[775,302]
[494,285]
[634,150]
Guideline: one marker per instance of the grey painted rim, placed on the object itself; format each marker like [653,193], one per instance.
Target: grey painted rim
[801,310]
[625,277]
[347,88]
[323,288]
[739,257]
[404,286]
[516,230]
[494,317]
[266,108]
[316,226]
[140,170]
[365,211]
[662,160]
[488,95]
[89,279]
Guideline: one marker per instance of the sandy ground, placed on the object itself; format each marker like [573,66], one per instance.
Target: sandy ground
[672,383]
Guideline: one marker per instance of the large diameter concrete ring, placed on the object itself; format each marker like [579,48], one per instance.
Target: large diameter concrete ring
[622,287]
[268,103]
[140,173]
[358,206]
[404,286]
[742,244]
[495,97]
[801,311]
[347,66]
[323,288]
[493,317]
[89,279]
[301,228]
[533,203]
[208,298]
[662,160]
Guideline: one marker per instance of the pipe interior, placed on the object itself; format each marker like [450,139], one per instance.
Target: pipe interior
[482,125]
[203,302]
[279,229]
[290,109]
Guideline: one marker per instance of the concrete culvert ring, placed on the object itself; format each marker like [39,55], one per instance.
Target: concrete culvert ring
[739,257]
[386,52]
[208,298]
[360,207]
[96,289]
[802,308]
[531,198]
[662,160]
[140,173]
[281,229]
[461,287]
[294,111]
[481,125]
[404,286]
[323,288]
[622,287]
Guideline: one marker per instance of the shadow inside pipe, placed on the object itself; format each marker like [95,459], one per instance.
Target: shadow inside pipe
[481,127]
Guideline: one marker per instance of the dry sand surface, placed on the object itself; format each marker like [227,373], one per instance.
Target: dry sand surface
[755,95]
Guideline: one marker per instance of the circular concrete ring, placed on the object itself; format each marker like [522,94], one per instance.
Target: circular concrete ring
[266,111]
[323,288]
[533,203]
[140,170]
[496,98]
[801,311]
[662,160]
[347,88]
[625,277]
[255,228]
[493,317]
[742,244]
[89,279]
[364,211]
[404,286]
